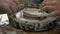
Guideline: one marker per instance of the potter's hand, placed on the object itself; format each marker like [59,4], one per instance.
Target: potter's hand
[8,6]
[53,5]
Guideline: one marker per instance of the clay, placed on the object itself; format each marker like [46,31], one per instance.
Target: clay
[31,12]
[35,21]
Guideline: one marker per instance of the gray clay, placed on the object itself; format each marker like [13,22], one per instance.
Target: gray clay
[41,23]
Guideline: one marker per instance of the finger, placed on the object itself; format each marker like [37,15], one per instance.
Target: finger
[10,3]
[13,6]
[54,13]
[51,0]
[47,8]
[48,3]
[16,1]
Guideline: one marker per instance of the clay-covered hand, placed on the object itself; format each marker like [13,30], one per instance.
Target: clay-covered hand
[7,6]
[51,5]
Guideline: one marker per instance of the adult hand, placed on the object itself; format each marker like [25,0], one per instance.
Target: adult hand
[53,5]
[8,6]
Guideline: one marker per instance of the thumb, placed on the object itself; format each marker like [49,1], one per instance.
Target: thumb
[54,13]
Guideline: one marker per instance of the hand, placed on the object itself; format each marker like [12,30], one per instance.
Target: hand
[8,6]
[53,5]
